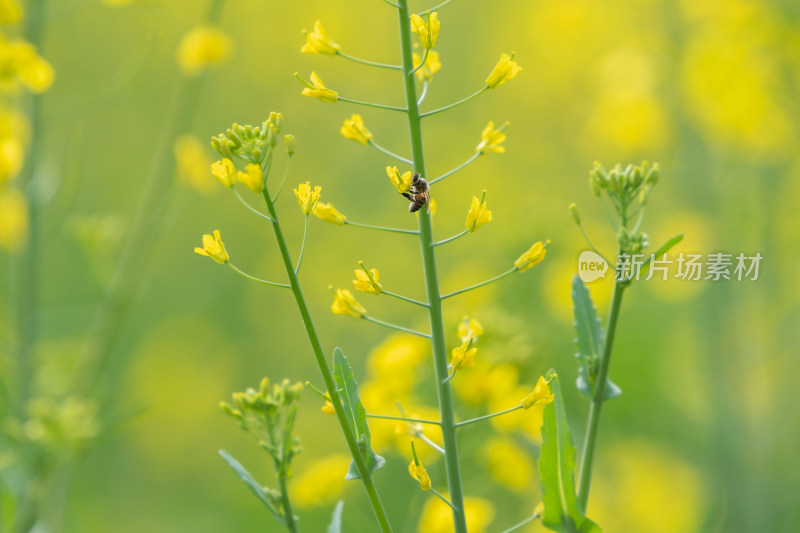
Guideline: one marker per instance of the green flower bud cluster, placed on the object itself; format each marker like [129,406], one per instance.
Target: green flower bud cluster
[251,143]
[59,425]
[632,242]
[628,188]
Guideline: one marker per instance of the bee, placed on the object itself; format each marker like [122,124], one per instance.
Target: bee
[418,195]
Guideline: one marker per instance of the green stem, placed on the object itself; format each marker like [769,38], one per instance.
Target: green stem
[449,239]
[432,285]
[481,284]
[598,398]
[404,298]
[486,417]
[248,206]
[283,180]
[422,63]
[395,326]
[434,8]
[392,4]
[365,62]
[423,94]
[253,278]
[302,247]
[444,500]
[382,228]
[370,104]
[327,377]
[390,154]
[518,525]
[291,524]
[459,167]
[403,419]
[454,104]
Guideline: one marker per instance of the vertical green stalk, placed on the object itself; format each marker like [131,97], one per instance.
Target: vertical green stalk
[322,363]
[598,398]
[432,283]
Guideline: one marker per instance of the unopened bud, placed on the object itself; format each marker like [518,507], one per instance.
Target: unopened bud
[289,140]
[573,210]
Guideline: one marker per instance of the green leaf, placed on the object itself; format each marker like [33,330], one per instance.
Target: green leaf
[557,470]
[336,518]
[356,415]
[589,339]
[257,489]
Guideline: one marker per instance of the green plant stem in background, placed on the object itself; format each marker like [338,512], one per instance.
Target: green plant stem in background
[432,284]
[449,239]
[598,398]
[327,377]
[370,104]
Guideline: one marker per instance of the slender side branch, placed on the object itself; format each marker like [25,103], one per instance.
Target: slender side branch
[423,94]
[528,520]
[392,4]
[381,228]
[370,104]
[302,246]
[487,417]
[454,104]
[481,284]
[403,419]
[250,207]
[395,326]
[434,8]
[449,239]
[248,276]
[404,298]
[422,63]
[283,180]
[366,62]
[390,154]
[459,167]
[445,500]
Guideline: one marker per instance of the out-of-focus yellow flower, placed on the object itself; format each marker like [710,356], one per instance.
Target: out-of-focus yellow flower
[353,128]
[21,64]
[367,280]
[13,220]
[478,215]
[10,12]
[492,139]
[328,408]
[12,156]
[318,42]
[203,47]
[469,328]
[192,163]
[321,483]
[427,29]
[225,172]
[251,178]
[401,181]
[541,395]
[431,66]
[437,517]
[393,362]
[328,213]
[116,3]
[463,356]
[505,69]
[532,257]
[320,91]
[419,473]
[344,303]
[486,383]
[214,248]
[509,464]
[307,197]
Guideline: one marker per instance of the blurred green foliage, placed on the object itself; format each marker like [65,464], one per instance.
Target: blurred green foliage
[705,434]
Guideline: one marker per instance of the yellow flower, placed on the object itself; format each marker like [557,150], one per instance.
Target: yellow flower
[318,90]
[402,182]
[463,356]
[251,178]
[20,63]
[10,12]
[469,328]
[491,139]
[307,198]
[419,473]
[328,213]
[541,395]
[353,128]
[13,220]
[321,483]
[201,48]
[428,30]
[509,464]
[345,304]
[478,215]
[367,280]
[214,248]
[328,408]
[225,172]
[431,66]
[532,256]
[437,517]
[505,69]
[192,163]
[318,42]
[12,156]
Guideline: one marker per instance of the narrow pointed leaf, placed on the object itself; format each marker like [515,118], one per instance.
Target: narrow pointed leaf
[589,339]
[356,415]
[336,518]
[257,489]
[557,470]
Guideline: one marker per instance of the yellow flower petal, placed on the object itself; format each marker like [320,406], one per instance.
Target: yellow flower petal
[225,172]
[344,303]
[401,182]
[491,140]
[505,69]
[318,42]
[353,128]
[214,248]
[328,213]
[320,91]
[251,178]
[541,395]
[478,215]
[307,198]
[419,473]
[532,257]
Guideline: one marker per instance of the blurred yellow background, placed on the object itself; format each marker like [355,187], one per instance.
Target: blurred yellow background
[704,437]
